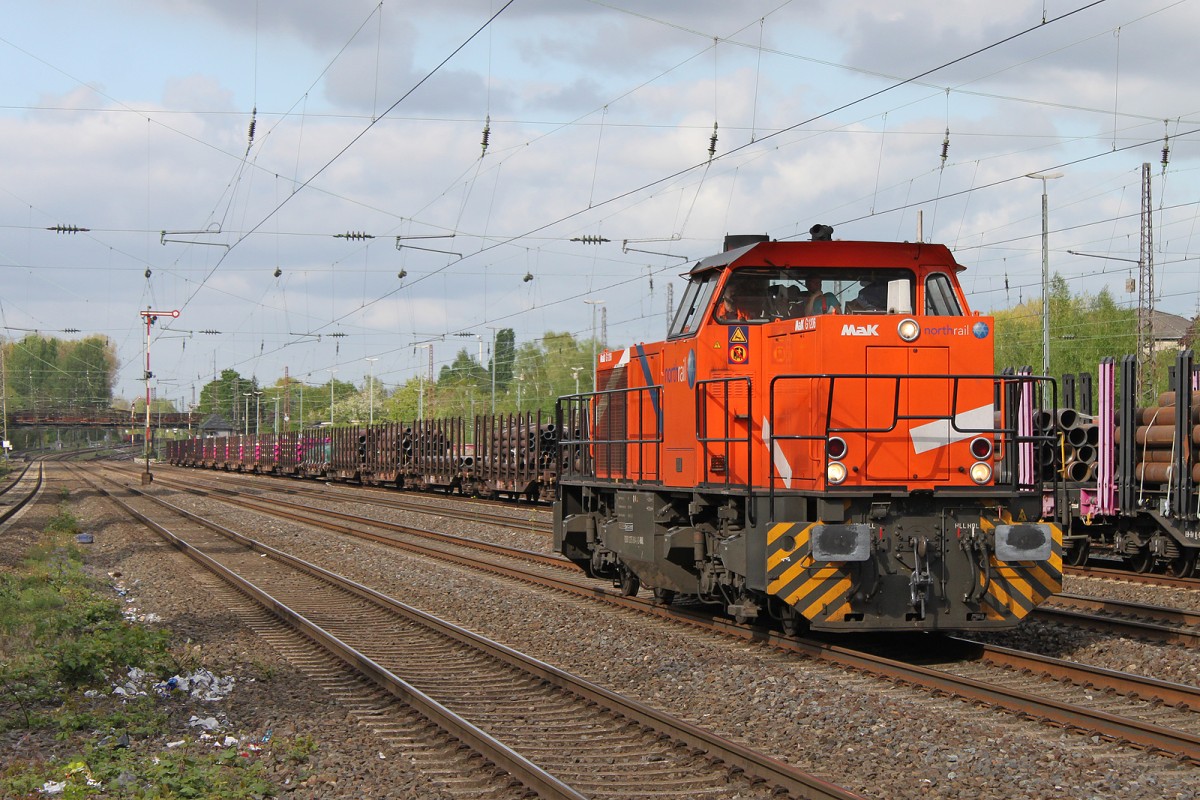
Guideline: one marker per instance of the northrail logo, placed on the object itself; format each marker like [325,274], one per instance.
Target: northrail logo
[860,330]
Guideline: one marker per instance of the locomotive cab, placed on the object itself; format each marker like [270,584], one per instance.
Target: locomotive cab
[820,439]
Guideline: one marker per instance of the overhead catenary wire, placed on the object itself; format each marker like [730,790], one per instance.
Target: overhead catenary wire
[485,269]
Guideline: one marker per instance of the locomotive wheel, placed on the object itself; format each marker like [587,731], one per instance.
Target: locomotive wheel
[1077,556]
[664,596]
[630,583]
[1142,560]
[1182,565]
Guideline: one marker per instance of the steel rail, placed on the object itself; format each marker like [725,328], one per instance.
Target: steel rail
[1138,620]
[1109,726]
[16,507]
[1175,695]
[530,774]
[306,514]
[752,763]
[388,499]
[1129,576]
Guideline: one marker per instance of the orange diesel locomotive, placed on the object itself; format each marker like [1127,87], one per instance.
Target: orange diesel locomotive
[820,440]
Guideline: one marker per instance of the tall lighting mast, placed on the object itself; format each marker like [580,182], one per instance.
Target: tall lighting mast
[1145,311]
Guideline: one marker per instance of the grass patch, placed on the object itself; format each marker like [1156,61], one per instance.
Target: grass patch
[63,644]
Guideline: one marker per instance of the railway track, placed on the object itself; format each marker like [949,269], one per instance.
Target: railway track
[20,491]
[535,519]
[1136,620]
[1154,623]
[1100,702]
[1129,576]
[562,737]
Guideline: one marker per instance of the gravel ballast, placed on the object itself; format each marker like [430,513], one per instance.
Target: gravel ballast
[867,735]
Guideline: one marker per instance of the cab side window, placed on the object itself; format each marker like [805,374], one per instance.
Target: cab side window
[940,300]
[696,298]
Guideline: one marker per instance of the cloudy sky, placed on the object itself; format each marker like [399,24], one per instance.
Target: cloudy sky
[133,120]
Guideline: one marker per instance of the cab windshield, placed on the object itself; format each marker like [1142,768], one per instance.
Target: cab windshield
[755,296]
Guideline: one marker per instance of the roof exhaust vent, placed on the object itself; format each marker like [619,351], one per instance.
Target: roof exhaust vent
[736,240]
[821,233]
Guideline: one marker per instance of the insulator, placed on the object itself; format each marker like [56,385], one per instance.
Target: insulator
[353,235]
[945,147]
[528,277]
[487,133]
[590,239]
[278,272]
[147,273]
[67,229]
[712,143]
[402,274]
[1166,154]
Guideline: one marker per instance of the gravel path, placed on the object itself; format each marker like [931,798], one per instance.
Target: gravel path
[872,737]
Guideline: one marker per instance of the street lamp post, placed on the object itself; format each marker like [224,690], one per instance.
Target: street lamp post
[246,416]
[1044,176]
[575,374]
[593,304]
[331,374]
[493,370]
[257,411]
[421,383]
[371,386]
[4,444]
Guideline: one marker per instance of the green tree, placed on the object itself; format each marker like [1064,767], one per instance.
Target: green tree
[504,357]
[225,396]
[1083,329]
[545,370]
[48,373]
[463,388]
[92,363]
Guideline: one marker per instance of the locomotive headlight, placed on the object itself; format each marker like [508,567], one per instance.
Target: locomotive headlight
[835,448]
[981,473]
[908,329]
[835,473]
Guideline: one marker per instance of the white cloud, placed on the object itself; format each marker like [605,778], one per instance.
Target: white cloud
[587,104]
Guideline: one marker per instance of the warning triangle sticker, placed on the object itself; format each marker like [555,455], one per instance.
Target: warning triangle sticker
[738,335]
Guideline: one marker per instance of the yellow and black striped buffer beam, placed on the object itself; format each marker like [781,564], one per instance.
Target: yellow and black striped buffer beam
[794,577]
[1016,588]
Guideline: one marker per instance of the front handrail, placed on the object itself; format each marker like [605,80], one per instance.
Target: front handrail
[1014,398]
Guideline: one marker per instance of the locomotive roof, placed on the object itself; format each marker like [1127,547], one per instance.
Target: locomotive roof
[830,254]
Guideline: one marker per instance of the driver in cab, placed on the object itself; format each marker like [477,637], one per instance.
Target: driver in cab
[738,303]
